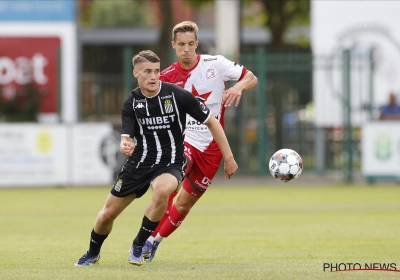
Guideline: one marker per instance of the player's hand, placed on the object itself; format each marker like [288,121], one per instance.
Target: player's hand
[230,95]
[230,167]
[127,148]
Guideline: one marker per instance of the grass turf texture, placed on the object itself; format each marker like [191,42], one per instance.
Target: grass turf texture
[257,232]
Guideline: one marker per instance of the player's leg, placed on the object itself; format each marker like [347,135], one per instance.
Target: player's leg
[189,164]
[103,226]
[149,242]
[202,171]
[184,200]
[166,214]
[163,185]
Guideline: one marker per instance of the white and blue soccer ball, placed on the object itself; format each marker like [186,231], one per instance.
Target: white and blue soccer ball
[286,165]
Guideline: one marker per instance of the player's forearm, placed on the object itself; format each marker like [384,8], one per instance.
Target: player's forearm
[248,81]
[220,137]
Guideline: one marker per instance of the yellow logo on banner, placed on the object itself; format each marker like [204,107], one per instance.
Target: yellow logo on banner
[383,147]
[43,142]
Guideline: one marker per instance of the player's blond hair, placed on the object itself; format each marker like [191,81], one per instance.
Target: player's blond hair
[145,56]
[185,26]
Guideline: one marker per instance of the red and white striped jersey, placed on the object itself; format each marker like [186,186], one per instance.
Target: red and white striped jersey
[207,80]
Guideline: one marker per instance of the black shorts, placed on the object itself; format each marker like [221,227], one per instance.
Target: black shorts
[132,180]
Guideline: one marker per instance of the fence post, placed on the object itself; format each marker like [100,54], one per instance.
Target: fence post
[346,64]
[261,110]
[371,83]
[127,68]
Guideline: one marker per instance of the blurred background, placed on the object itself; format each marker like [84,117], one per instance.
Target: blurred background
[326,70]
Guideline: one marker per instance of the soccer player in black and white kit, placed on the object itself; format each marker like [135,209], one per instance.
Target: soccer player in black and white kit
[155,115]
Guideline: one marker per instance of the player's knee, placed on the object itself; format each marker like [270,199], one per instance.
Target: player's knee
[161,193]
[106,216]
[183,209]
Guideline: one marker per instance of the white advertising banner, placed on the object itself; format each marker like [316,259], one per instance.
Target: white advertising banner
[359,26]
[33,155]
[381,149]
[58,155]
[94,151]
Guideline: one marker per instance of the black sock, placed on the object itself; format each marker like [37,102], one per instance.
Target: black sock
[146,229]
[96,240]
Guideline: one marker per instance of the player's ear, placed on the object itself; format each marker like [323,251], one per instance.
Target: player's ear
[173,44]
[135,73]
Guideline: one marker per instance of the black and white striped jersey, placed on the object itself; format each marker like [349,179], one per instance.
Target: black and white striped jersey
[158,124]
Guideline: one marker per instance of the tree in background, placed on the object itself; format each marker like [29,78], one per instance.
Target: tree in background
[127,13]
[163,46]
[279,17]
[282,14]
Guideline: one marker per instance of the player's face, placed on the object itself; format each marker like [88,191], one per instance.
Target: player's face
[148,74]
[185,46]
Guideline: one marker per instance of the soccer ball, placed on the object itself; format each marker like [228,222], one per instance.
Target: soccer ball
[286,165]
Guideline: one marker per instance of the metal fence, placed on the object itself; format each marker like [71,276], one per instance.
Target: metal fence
[276,114]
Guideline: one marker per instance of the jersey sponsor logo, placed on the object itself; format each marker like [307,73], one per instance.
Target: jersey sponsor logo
[179,83]
[167,96]
[170,70]
[168,106]
[187,150]
[194,125]
[118,185]
[188,154]
[210,73]
[140,105]
[205,182]
[210,59]
[157,120]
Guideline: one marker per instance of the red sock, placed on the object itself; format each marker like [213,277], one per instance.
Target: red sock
[166,214]
[174,221]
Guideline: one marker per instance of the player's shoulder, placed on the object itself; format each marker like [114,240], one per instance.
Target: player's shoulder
[207,58]
[133,94]
[170,70]
[169,87]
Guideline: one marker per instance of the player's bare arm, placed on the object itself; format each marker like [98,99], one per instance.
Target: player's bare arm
[248,81]
[230,165]
[126,146]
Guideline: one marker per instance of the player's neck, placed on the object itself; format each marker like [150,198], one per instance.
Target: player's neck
[150,94]
[189,65]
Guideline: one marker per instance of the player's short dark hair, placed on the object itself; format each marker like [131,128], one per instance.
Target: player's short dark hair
[185,26]
[145,56]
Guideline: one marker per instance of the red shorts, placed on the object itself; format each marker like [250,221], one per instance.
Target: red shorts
[200,169]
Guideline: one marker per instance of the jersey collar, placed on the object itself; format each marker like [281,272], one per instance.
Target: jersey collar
[188,70]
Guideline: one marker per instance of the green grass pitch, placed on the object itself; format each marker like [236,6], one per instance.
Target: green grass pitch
[245,232]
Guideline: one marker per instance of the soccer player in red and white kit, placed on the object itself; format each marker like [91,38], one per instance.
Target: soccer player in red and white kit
[204,76]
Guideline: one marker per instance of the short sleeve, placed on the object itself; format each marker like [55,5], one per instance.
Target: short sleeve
[194,106]
[231,70]
[128,118]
